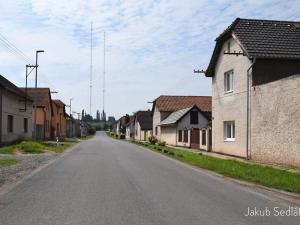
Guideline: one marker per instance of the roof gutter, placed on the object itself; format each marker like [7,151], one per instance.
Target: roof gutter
[248,122]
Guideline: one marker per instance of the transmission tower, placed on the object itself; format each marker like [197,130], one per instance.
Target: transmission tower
[91,68]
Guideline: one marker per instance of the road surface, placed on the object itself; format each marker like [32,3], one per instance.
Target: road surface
[112,182]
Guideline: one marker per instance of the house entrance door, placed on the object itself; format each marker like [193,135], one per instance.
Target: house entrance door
[195,138]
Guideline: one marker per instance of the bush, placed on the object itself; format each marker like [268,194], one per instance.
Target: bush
[166,151]
[152,140]
[31,147]
[91,131]
[171,153]
[161,143]
[122,136]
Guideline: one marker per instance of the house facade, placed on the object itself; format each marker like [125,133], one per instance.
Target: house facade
[16,119]
[42,112]
[142,125]
[184,127]
[165,105]
[59,119]
[256,98]
[130,129]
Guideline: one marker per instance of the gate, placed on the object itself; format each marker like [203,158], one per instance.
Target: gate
[195,138]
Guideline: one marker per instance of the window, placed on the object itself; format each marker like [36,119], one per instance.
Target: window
[180,136]
[10,123]
[25,125]
[194,117]
[203,137]
[228,81]
[156,130]
[185,136]
[229,130]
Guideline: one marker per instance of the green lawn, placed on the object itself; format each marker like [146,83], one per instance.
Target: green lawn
[8,162]
[33,147]
[259,174]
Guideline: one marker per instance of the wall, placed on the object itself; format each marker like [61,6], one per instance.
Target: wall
[275,122]
[157,118]
[11,105]
[168,134]
[232,106]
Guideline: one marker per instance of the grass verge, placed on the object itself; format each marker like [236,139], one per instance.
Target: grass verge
[8,162]
[33,147]
[260,174]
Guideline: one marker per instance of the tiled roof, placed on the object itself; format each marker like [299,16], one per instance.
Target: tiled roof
[175,116]
[261,39]
[59,102]
[145,119]
[169,103]
[40,96]
[9,86]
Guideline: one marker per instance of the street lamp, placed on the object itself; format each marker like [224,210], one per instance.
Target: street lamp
[36,63]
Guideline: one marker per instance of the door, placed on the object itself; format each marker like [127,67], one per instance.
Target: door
[195,138]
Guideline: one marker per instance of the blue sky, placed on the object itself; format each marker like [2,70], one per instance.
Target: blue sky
[152,46]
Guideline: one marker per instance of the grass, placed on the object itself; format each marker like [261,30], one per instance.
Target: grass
[86,137]
[8,162]
[33,147]
[260,174]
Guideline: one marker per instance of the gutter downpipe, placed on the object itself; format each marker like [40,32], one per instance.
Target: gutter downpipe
[248,138]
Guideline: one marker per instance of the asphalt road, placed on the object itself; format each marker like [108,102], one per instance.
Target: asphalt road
[111,182]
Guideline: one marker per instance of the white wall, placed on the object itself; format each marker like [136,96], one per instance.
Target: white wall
[232,106]
[11,105]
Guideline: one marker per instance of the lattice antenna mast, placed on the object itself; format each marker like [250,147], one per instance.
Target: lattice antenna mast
[103,101]
[91,68]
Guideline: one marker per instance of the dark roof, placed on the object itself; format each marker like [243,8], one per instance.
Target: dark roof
[9,86]
[169,103]
[40,96]
[131,120]
[144,118]
[261,39]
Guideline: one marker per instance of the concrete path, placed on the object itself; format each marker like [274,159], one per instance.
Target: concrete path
[110,182]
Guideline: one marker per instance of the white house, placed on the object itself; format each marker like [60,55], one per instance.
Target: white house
[15,112]
[142,125]
[255,71]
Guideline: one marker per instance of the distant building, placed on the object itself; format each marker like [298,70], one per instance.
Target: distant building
[15,121]
[58,120]
[142,125]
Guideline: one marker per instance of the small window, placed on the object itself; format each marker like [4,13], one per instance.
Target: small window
[25,125]
[203,138]
[194,117]
[180,136]
[228,81]
[229,130]
[185,136]
[10,123]
[135,132]
[156,130]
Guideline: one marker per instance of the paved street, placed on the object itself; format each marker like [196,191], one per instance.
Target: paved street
[106,181]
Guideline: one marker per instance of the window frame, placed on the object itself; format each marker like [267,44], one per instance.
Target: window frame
[232,131]
[185,136]
[25,125]
[229,88]
[180,136]
[203,137]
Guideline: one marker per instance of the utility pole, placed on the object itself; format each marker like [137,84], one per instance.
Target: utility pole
[103,75]
[36,68]
[91,68]
[71,106]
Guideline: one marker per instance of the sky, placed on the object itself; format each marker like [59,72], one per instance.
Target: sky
[152,47]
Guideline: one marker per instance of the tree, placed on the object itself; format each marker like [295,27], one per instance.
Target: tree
[98,116]
[82,114]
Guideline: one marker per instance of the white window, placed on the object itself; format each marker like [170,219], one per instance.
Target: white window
[229,131]
[228,81]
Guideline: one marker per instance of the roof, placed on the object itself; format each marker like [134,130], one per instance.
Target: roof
[9,86]
[268,39]
[40,96]
[144,118]
[58,102]
[169,103]
[175,116]
[131,120]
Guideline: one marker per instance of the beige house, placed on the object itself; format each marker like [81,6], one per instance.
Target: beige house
[142,125]
[16,118]
[130,128]
[255,70]
[164,105]
[186,127]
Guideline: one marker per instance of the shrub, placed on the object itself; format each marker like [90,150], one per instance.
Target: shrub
[31,147]
[91,131]
[122,136]
[159,149]
[171,153]
[161,143]
[152,140]
[166,151]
